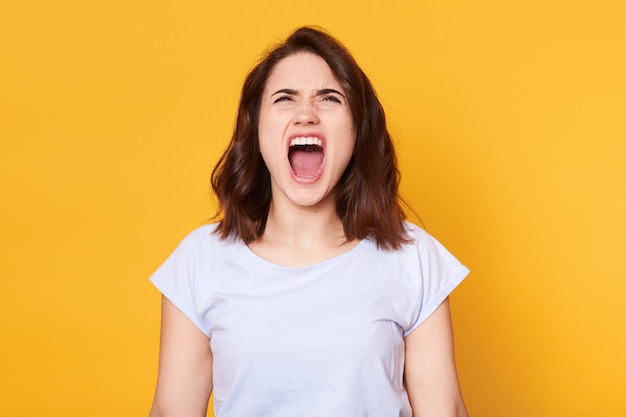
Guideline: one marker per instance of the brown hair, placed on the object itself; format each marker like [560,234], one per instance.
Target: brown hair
[367,199]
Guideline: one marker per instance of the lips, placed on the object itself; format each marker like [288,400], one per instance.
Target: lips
[306,156]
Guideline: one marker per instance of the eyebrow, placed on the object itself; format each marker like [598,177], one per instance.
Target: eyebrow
[319,92]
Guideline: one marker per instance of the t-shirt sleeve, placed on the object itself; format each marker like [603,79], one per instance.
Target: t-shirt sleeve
[175,279]
[440,274]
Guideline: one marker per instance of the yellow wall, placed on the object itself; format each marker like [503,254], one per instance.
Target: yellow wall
[510,119]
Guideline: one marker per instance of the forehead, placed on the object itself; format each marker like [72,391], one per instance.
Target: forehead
[300,71]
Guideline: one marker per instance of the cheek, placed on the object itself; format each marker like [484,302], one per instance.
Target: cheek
[268,152]
[271,149]
[272,124]
[351,143]
[262,128]
[346,150]
[265,133]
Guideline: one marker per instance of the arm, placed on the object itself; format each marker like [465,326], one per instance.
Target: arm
[185,367]
[430,370]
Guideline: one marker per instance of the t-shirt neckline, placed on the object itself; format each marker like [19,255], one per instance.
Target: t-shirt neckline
[259,259]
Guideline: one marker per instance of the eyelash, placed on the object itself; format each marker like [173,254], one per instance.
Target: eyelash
[283,98]
[331,98]
[324,98]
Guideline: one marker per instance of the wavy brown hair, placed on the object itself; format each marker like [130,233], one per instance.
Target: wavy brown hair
[367,199]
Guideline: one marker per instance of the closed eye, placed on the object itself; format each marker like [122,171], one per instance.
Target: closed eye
[331,95]
[283,98]
[331,98]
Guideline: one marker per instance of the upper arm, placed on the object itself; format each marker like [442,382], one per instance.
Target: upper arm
[185,380]
[430,370]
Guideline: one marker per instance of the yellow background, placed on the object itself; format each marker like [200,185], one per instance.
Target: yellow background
[510,123]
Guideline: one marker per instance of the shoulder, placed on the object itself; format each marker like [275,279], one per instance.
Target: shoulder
[206,236]
[423,254]
[194,266]
[203,243]
[416,233]
[419,242]
[422,241]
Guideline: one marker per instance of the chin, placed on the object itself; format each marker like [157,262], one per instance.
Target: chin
[309,199]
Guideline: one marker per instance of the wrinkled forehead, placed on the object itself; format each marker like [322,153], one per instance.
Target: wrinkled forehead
[302,70]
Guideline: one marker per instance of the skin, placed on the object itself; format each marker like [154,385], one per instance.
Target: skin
[302,97]
[185,378]
[430,370]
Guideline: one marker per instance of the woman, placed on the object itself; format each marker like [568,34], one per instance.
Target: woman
[312,296]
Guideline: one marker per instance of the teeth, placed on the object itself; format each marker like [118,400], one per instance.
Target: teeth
[306,140]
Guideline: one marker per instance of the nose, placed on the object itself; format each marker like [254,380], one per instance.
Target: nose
[306,113]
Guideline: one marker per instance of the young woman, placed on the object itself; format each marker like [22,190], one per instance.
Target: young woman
[312,296]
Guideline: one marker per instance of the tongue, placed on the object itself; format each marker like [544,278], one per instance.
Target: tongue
[306,162]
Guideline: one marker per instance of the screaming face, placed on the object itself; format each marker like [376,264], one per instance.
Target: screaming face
[306,132]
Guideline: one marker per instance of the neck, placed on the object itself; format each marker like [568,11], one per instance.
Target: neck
[298,236]
[304,227]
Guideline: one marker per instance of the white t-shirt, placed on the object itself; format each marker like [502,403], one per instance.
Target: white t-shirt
[325,340]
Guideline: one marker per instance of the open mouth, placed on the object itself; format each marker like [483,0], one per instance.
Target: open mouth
[306,155]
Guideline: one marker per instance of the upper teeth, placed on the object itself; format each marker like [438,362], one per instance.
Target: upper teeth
[306,140]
